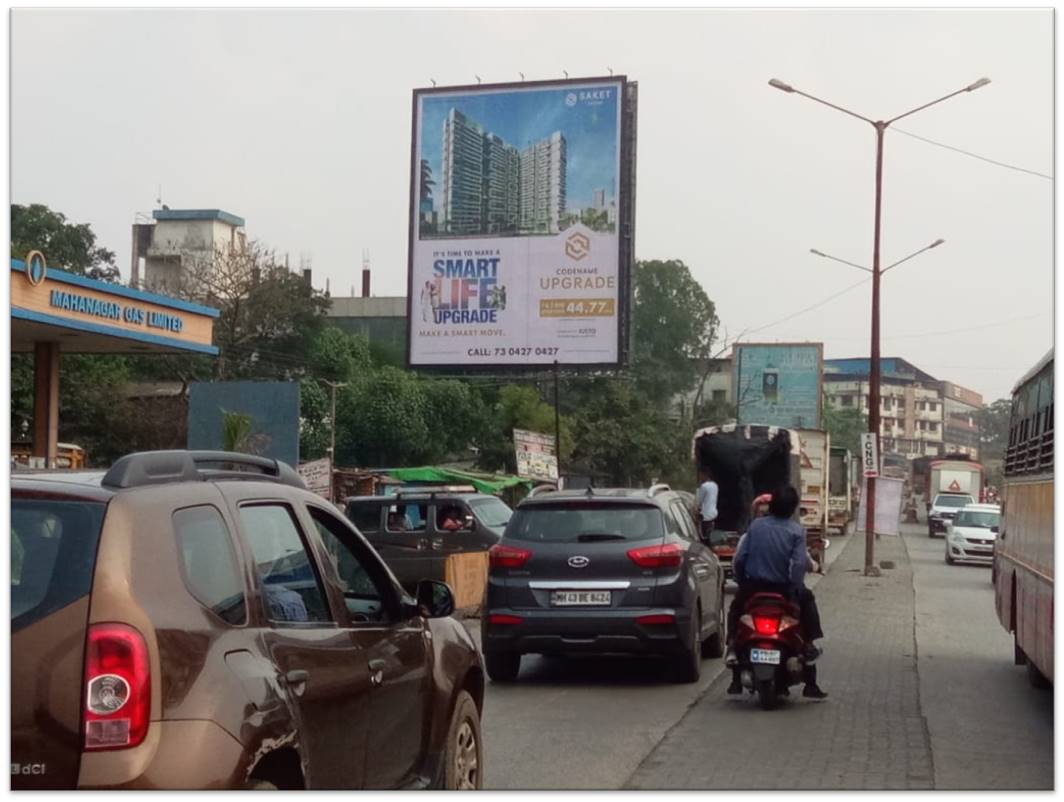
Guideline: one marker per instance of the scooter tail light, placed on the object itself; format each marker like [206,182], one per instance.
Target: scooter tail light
[766,624]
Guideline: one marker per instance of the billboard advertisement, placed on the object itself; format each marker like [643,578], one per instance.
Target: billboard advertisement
[536,457]
[520,234]
[779,384]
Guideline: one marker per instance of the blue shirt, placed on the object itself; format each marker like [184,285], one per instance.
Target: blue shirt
[772,550]
[707,500]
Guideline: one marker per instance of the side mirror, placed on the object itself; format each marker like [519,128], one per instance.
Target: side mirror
[434,599]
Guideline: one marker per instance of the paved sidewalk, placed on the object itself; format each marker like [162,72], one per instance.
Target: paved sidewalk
[869,734]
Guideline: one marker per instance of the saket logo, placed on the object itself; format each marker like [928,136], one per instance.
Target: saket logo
[577,246]
[570,99]
[579,561]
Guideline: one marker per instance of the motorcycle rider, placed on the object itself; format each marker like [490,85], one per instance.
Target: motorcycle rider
[772,558]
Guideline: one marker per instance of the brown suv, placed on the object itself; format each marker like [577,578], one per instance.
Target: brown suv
[200,620]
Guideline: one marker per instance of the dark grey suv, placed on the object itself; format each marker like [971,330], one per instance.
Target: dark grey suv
[603,571]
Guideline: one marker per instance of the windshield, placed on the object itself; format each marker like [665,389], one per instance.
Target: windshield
[580,523]
[977,520]
[491,511]
[952,501]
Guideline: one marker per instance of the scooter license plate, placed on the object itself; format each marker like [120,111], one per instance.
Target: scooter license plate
[765,656]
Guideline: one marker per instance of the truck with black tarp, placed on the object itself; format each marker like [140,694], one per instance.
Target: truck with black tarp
[745,461]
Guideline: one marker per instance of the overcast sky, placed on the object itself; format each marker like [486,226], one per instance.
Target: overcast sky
[299,121]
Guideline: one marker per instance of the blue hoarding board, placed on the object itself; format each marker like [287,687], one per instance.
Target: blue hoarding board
[272,406]
[779,384]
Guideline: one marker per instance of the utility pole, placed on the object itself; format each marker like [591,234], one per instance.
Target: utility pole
[874,372]
[332,436]
[557,427]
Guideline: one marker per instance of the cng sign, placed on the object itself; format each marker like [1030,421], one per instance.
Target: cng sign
[869,454]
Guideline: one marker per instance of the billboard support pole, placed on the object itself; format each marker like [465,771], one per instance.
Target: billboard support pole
[557,427]
[332,438]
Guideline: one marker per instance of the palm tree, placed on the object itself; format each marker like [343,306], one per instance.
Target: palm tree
[236,431]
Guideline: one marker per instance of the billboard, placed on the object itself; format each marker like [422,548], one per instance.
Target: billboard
[779,384]
[520,224]
[536,456]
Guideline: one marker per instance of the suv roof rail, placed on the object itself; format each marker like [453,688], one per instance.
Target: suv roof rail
[432,490]
[658,488]
[164,467]
[538,489]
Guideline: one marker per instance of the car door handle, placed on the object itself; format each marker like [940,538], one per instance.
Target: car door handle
[376,671]
[437,544]
[296,679]
[701,570]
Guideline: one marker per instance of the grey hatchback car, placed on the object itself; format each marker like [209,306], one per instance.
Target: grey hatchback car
[603,571]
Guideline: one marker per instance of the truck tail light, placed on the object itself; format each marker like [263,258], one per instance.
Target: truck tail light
[117,687]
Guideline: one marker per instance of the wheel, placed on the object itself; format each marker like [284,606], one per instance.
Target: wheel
[502,666]
[688,664]
[259,785]
[1036,677]
[930,532]
[713,646]
[949,560]
[766,693]
[465,754]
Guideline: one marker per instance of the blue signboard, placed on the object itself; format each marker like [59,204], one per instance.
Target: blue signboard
[779,384]
[272,406]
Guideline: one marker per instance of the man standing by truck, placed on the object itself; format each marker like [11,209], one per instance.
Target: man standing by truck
[707,502]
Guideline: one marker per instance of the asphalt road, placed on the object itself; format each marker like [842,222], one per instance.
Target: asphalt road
[989,728]
[583,723]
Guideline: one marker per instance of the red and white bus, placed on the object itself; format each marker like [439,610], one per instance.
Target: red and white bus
[1023,550]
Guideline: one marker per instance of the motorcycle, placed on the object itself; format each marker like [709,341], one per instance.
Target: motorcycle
[769,648]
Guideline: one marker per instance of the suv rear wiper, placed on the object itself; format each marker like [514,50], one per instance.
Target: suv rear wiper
[589,537]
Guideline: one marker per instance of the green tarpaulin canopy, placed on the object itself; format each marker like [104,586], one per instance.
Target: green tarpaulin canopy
[483,482]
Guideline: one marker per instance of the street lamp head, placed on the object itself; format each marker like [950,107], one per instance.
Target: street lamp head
[778,84]
[936,243]
[977,85]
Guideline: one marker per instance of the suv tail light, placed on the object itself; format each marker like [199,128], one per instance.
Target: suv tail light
[117,687]
[666,556]
[500,556]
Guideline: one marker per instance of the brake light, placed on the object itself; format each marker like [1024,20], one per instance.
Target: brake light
[766,624]
[117,687]
[656,620]
[510,620]
[666,556]
[500,556]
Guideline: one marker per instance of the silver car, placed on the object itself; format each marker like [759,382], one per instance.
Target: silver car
[971,534]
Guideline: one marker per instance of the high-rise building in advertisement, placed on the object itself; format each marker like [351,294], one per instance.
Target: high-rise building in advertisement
[489,187]
[463,175]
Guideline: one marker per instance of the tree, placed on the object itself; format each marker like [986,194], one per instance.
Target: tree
[236,431]
[381,421]
[517,407]
[337,356]
[269,317]
[845,425]
[314,420]
[993,420]
[455,415]
[66,246]
[675,325]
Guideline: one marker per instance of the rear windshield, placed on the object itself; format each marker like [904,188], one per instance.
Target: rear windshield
[953,501]
[585,523]
[978,520]
[491,511]
[53,553]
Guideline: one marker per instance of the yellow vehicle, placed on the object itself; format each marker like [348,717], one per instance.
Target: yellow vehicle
[67,455]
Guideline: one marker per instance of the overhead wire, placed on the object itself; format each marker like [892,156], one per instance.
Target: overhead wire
[972,155]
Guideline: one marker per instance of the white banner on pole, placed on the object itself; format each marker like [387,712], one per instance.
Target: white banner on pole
[888,507]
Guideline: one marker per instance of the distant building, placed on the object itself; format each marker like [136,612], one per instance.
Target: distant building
[598,202]
[716,390]
[960,409]
[911,411]
[163,250]
[381,320]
